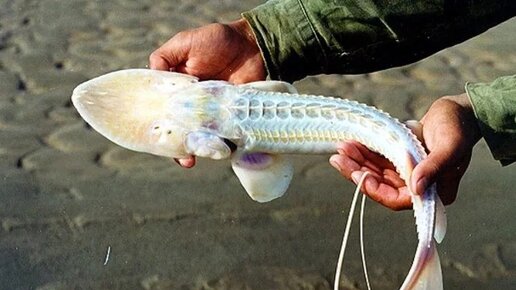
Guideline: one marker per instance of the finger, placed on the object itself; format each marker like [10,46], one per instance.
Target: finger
[385,193]
[391,197]
[364,156]
[157,62]
[427,171]
[351,149]
[187,162]
[377,159]
[392,178]
[346,166]
[181,68]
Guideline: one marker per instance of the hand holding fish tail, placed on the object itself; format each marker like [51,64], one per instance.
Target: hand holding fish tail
[449,132]
[217,52]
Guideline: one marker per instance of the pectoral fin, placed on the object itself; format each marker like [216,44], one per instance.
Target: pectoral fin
[264,176]
[205,144]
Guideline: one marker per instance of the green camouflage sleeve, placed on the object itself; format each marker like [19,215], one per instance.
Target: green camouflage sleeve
[307,37]
[495,109]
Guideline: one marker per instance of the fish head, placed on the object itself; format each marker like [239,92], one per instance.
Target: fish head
[134,109]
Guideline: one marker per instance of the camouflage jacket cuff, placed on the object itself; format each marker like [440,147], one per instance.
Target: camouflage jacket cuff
[495,108]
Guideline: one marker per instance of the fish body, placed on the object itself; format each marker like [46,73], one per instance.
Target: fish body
[175,115]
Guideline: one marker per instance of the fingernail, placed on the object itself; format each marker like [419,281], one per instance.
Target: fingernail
[334,163]
[356,175]
[421,185]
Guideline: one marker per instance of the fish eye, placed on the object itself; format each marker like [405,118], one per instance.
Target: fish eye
[169,132]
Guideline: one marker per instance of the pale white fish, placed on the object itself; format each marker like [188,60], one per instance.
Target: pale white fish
[175,115]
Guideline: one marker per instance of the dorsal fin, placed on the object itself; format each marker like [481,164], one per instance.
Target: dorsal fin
[271,86]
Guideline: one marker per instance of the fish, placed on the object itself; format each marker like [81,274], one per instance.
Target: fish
[257,126]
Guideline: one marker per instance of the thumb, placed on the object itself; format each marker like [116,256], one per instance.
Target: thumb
[428,170]
[158,62]
[171,54]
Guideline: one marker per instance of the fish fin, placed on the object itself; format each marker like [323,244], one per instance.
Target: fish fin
[271,86]
[126,106]
[205,144]
[425,273]
[416,127]
[440,220]
[264,176]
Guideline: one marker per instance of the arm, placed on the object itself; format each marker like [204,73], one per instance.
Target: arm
[307,37]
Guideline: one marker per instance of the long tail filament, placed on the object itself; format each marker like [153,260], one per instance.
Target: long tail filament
[338,271]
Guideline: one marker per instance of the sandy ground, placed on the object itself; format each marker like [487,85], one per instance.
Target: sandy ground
[67,194]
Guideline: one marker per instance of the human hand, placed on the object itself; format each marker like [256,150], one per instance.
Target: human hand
[217,51]
[449,132]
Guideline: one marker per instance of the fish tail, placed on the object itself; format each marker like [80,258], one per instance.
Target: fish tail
[425,273]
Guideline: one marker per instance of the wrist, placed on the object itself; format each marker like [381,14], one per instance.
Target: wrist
[242,27]
[461,100]
[248,51]
[469,120]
